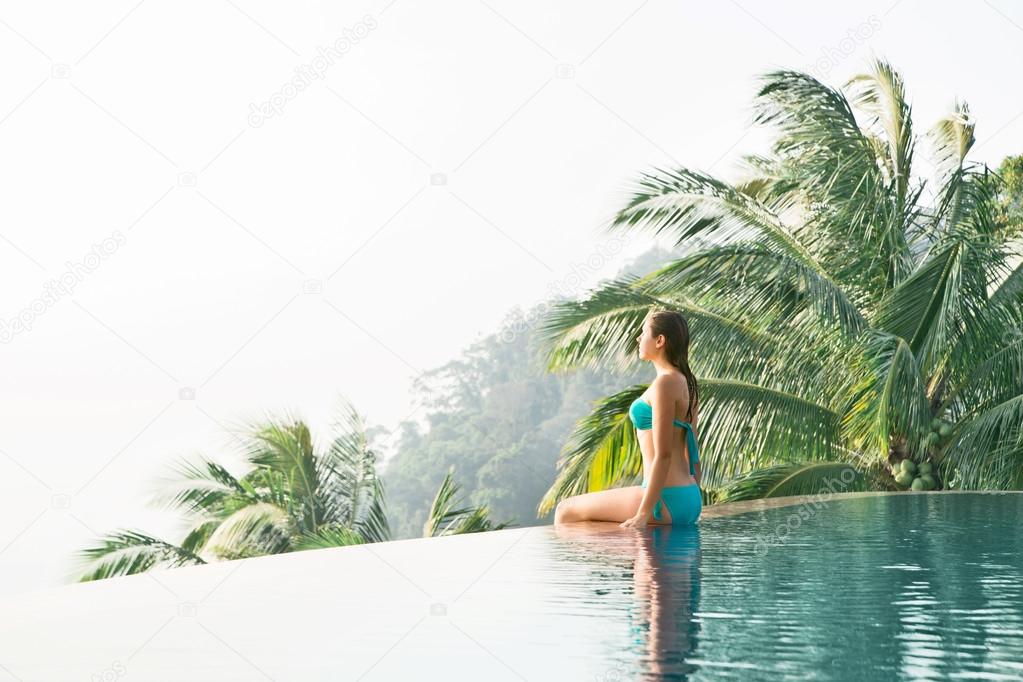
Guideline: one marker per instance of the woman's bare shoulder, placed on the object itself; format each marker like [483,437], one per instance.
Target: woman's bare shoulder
[671,386]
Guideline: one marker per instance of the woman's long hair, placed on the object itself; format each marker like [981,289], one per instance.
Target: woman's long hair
[675,329]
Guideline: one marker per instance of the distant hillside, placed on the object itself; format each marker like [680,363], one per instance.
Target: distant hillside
[500,420]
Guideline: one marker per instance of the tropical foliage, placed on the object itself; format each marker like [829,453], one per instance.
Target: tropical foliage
[846,313]
[293,496]
[447,518]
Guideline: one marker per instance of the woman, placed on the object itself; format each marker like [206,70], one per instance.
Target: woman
[670,493]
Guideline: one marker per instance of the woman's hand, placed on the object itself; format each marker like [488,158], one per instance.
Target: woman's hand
[637,521]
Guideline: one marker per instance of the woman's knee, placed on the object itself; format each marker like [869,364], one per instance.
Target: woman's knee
[564,512]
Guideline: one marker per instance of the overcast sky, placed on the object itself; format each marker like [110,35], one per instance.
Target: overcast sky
[194,241]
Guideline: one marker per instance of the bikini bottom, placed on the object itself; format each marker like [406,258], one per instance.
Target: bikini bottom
[684,503]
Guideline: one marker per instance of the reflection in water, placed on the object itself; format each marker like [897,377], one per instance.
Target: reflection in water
[906,586]
[667,592]
[652,578]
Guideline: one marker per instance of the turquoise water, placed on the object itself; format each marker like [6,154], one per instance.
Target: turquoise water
[907,586]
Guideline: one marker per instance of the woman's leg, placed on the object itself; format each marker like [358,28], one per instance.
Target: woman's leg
[616,504]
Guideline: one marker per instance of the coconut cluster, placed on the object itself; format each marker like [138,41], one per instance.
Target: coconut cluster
[909,474]
[915,477]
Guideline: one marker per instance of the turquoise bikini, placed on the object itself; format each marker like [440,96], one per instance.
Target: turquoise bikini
[684,502]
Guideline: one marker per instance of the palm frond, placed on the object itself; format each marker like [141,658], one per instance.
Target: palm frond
[127,552]
[881,93]
[951,139]
[351,492]
[285,446]
[447,518]
[253,530]
[849,223]
[986,452]
[795,478]
[599,330]
[924,309]
[602,451]
[689,204]
[888,398]
[994,380]
[327,536]
[766,288]
[199,487]
[745,426]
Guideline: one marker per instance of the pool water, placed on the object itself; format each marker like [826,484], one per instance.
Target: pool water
[904,586]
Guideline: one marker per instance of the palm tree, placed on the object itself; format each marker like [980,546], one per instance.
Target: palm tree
[292,497]
[446,518]
[846,315]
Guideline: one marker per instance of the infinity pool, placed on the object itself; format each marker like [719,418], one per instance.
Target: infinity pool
[902,586]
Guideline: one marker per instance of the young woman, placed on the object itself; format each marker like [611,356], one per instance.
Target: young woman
[670,493]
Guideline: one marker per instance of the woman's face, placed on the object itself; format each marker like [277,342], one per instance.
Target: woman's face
[647,342]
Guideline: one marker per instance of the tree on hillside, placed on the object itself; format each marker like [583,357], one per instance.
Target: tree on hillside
[1010,199]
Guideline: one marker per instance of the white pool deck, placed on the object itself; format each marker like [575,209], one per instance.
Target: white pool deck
[474,607]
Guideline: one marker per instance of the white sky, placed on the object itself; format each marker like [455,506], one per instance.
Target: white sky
[131,121]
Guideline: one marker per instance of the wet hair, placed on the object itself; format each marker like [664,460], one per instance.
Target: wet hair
[675,329]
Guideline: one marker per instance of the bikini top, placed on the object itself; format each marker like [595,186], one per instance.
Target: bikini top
[642,415]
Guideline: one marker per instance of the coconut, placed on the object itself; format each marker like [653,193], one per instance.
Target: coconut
[908,466]
[945,430]
[918,484]
[904,478]
[924,468]
[935,424]
[929,481]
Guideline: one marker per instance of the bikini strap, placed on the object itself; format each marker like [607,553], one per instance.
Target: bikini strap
[691,447]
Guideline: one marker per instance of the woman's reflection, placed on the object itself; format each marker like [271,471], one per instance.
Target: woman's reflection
[666,591]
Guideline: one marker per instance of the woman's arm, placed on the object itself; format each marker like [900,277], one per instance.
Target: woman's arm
[663,409]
